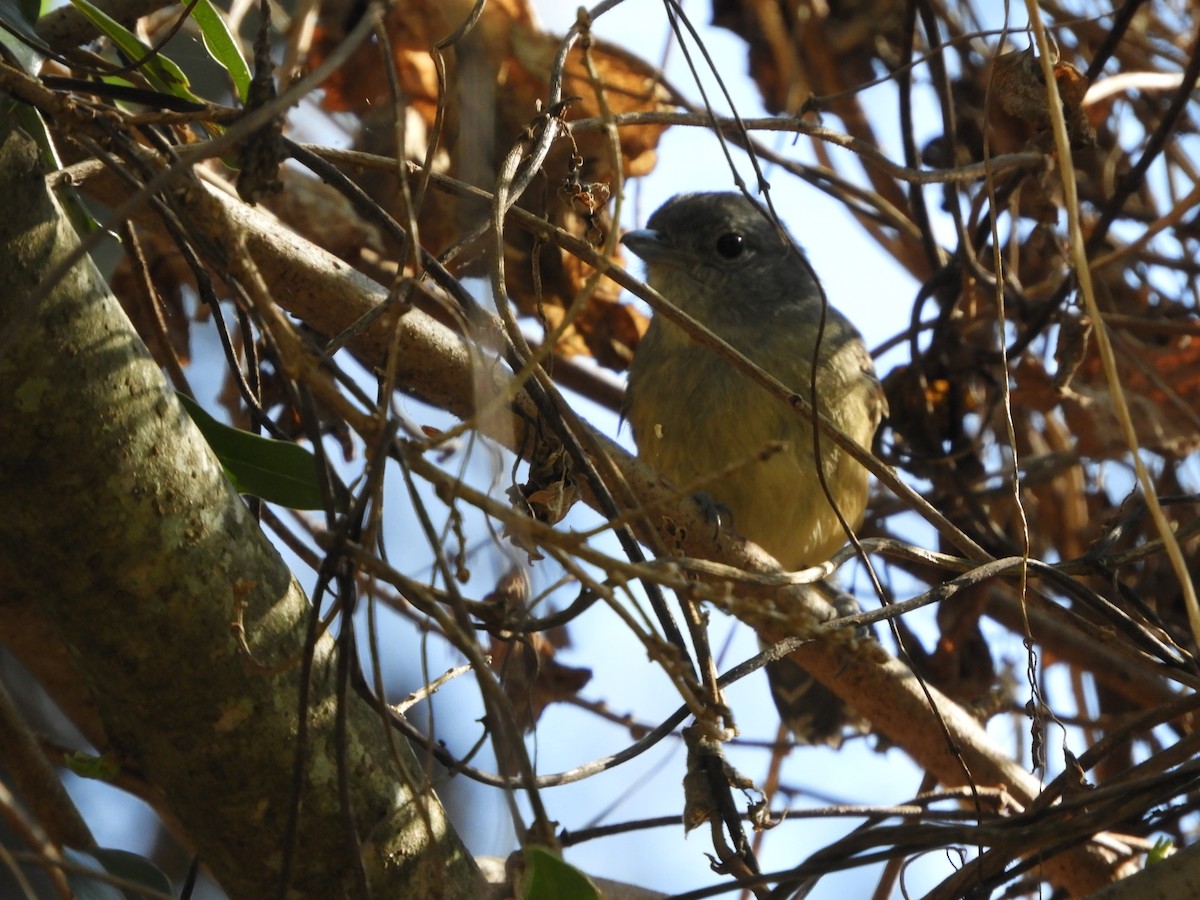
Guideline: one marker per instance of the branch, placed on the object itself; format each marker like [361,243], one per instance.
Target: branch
[438,366]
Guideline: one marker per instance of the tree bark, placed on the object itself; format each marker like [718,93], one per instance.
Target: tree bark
[118,526]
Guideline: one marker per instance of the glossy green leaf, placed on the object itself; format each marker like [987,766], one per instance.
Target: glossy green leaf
[1163,848]
[221,46]
[279,472]
[18,40]
[161,71]
[549,877]
[88,765]
[135,868]
[121,864]
[90,884]
[35,126]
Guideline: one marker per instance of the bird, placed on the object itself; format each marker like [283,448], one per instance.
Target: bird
[722,258]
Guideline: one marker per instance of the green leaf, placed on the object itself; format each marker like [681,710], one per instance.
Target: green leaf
[221,46]
[119,864]
[18,40]
[160,71]
[89,886]
[35,126]
[135,868]
[1163,847]
[277,471]
[549,877]
[88,765]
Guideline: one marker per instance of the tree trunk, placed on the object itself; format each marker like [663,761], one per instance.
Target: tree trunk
[118,526]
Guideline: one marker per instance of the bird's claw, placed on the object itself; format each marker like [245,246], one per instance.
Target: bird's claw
[715,512]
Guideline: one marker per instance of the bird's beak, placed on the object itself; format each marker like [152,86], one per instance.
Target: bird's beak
[649,245]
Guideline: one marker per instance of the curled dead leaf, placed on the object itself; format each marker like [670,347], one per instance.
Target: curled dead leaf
[497,82]
[531,676]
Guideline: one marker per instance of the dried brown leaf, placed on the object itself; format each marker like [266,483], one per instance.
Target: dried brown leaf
[498,81]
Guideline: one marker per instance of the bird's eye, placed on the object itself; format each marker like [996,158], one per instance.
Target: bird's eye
[731,245]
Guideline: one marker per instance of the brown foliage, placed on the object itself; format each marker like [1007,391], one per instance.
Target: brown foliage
[496,79]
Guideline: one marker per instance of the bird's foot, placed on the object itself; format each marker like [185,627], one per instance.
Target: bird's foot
[715,512]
